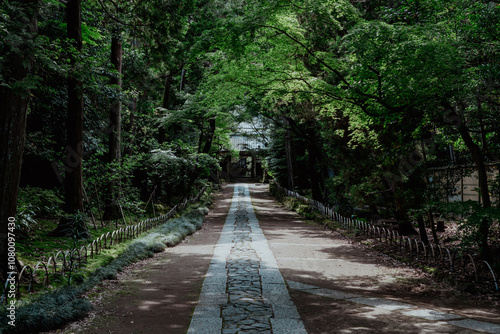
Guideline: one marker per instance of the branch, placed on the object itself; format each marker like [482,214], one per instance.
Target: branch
[115,18]
[309,51]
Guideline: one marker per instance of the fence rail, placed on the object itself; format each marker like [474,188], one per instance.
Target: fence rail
[456,263]
[64,262]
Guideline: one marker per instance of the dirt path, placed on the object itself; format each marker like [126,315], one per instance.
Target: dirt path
[331,282]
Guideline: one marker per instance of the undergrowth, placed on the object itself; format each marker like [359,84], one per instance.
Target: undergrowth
[53,309]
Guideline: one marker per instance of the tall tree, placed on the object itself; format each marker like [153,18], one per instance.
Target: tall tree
[114,152]
[73,182]
[14,96]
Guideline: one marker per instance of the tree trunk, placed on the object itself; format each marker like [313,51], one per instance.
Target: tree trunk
[433,227]
[209,137]
[73,179]
[290,155]
[478,158]
[112,209]
[165,105]
[129,150]
[421,229]
[13,113]
[183,80]
[73,182]
[315,175]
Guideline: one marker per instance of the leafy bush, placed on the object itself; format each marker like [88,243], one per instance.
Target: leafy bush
[41,202]
[35,202]
[25,222]
[469,215]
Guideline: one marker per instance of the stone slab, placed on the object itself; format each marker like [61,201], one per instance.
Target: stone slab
[287,326]
[205,326]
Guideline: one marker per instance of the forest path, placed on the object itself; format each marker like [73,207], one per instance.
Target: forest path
[336,286]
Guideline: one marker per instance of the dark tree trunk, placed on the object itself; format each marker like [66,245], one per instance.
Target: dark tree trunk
[166,91]
[478,159]
[421,229]
[13,112]
[73,179]
[112,208]
[302,166]
[209,137]
[165,105]
[290,155]
[433,227]
[315,175]
[73,182]
[183,80]
[188,185]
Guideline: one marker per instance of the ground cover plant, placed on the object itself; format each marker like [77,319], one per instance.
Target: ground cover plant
[52,309]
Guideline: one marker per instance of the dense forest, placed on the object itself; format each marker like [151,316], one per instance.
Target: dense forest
[377,107]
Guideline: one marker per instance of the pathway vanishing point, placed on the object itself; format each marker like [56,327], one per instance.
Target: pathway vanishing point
[244,291]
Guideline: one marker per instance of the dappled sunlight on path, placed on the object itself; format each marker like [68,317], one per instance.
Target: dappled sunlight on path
[260,268]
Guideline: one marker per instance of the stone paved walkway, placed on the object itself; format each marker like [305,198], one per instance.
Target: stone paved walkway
[244,291]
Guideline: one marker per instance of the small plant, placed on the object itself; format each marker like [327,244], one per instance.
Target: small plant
[73,226]
[25,222]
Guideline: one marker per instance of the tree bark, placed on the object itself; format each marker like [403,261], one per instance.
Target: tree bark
[290,155]
[112,209]
[13,114]
[209,137]
[73,181]
[421,229]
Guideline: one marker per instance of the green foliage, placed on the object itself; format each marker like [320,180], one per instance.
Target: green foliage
[276,156]
[172,233]
[25,223]
[469,215]
[43,202]
[175,164]
[34,203]
[368,95]
[51,310]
